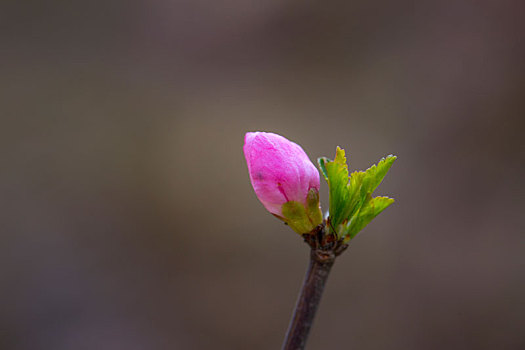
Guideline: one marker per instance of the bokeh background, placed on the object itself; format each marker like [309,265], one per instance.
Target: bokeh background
[127,217]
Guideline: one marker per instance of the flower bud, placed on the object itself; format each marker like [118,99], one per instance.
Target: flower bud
[284,179]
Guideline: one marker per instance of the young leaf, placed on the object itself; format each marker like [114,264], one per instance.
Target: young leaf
[336,174]
[371,208]
[376,173]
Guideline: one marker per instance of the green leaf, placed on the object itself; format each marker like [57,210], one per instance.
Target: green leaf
[376,173]
[370,209]
[336,174]
[352,206]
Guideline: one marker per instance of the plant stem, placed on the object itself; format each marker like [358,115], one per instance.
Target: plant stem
[309,298]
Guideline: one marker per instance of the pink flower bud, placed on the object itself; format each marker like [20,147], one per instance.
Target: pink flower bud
[281,172]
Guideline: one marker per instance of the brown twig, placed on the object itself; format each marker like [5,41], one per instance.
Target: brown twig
[324,249]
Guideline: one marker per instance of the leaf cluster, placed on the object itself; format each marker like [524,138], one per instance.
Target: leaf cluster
[352,206]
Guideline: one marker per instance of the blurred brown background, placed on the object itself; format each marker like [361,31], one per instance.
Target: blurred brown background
[127,216]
